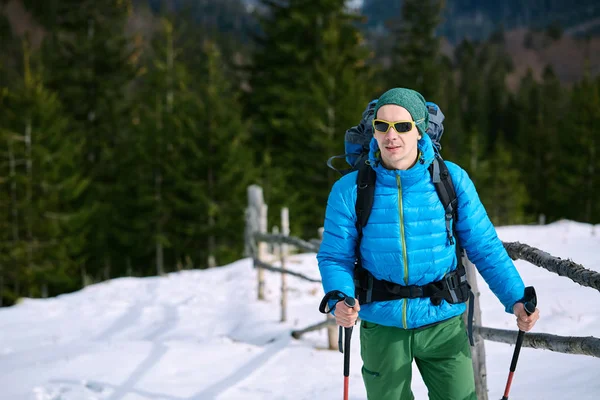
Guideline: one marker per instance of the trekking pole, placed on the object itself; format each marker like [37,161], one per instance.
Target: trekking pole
[349,302]
[529,302]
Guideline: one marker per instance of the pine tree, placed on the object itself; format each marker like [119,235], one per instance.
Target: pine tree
[575,189]
[194,152]
[496,65]
[160,129]
[308,85]
[416,60]
[90,64]
[505,195]
[539,110]
[42,181]
[226,169]
[528,117]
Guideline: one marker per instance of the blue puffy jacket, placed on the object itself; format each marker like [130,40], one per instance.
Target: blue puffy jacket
[405,241]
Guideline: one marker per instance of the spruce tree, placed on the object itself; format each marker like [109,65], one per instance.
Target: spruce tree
[575,189]
[415,59]
[505,196]
[308,85]
[90,64]
[540,109]
[195,154]
[162,111]
[42,181]
[554,103]
[226,168]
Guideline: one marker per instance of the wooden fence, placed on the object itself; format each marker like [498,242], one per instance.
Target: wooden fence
[257,241]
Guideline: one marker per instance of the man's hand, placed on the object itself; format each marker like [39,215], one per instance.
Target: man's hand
[346,316]
[525,322]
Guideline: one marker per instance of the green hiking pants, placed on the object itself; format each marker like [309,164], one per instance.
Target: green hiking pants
[441,352]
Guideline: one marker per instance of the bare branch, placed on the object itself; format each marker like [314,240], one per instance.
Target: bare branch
[588,346]
[258,263]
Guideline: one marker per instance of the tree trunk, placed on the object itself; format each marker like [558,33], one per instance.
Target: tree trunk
[285,230]
[212,245]
[160,269]
[591,169]
[15,216]
[1,285]
[107,266]
[84,277]
[474,155]
[28,205]
[129,268]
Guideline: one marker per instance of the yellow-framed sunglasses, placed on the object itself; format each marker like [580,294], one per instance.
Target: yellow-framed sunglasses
[383,126]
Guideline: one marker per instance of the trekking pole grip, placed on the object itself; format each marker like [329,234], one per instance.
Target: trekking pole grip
[530,300]
[529,303]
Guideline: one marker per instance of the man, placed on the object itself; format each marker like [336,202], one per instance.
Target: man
[406,242]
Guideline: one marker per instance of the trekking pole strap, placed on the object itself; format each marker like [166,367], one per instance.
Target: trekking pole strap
[334,295]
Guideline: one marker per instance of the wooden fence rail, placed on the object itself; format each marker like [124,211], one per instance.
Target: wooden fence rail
[294,241]
[264,265]
[576,272]
[583,345]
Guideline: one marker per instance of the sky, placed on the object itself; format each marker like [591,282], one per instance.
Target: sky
[203,335]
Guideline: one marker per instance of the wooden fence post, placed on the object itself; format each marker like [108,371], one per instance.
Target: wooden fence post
[263,250]
[332,329]
[257,222]
[478,350]
[285,230]
[332,333]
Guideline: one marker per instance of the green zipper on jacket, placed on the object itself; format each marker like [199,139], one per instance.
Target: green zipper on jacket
[403,239]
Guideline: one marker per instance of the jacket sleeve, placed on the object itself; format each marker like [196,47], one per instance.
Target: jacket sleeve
[337,254]
[478,237]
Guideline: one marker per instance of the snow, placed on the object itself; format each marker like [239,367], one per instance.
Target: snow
[200,335]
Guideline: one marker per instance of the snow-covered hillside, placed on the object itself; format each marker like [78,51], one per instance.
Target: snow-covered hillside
[202,335]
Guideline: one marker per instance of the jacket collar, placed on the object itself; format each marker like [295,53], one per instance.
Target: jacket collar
[409,176]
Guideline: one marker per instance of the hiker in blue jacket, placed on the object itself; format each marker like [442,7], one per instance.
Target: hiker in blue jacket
[407,253]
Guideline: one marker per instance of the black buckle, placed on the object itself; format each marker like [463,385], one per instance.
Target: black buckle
[415,291]
[451,280]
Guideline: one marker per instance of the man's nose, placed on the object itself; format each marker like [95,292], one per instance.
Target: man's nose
[391,133]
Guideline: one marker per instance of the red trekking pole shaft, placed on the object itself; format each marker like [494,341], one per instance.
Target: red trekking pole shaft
[513,364]
[529,302]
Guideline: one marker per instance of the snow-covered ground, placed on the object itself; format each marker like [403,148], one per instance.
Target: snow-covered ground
[201,335]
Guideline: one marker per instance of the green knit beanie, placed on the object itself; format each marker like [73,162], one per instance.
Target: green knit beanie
[411,100]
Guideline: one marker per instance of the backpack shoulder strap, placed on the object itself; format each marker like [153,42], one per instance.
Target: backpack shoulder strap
[445,189]
[365,193]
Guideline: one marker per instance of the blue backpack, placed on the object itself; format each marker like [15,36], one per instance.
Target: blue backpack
[454,288]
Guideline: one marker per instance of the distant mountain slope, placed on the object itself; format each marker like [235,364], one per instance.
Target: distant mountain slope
[476,19]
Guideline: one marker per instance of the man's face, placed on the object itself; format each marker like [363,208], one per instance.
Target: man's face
[398,151]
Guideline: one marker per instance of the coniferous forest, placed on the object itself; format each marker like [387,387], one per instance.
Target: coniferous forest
[130,130]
